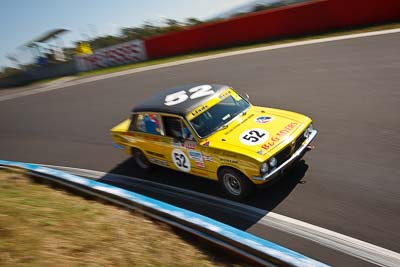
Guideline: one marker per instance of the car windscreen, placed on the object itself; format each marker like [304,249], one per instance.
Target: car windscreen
[219,115]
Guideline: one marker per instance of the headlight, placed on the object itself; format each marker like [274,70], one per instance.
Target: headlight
[264,168]
[273,162]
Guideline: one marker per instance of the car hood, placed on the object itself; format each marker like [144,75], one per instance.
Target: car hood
[259,133]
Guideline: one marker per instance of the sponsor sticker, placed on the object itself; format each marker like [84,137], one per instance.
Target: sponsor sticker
[207,158]
[206,143]
[229,160]
[254,137]
[279,136]
[263,119]
[199,110]
[195,155]
[189,144]
[180,160]
[200,164]
[224,94]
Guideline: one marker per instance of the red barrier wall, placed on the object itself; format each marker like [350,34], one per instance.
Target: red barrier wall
[310,17]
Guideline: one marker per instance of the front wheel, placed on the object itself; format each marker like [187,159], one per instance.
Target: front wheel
[235,184]
[141,159]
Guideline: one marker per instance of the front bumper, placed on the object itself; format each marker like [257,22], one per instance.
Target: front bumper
[295,156]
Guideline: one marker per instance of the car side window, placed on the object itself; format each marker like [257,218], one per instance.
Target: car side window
[176,128]
[148,123]
[187,134]
[173,127]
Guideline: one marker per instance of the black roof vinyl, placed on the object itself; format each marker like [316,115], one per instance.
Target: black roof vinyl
[156,102]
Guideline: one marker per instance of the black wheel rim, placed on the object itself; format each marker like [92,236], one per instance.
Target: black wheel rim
[232,184]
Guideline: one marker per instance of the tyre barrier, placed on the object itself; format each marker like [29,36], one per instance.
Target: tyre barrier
[245,244]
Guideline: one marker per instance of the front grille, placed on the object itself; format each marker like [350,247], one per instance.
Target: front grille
[299,141]
[282,156]
[288,151]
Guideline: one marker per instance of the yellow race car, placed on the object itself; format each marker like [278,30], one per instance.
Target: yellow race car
[211,131]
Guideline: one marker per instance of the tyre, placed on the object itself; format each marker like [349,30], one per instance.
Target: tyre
[235,184]
[141,159]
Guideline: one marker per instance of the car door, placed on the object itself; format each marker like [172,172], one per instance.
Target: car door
[184,153]
[147,133]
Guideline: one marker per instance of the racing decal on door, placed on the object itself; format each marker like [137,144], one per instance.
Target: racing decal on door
[254,137]
[200,164]
[208,158]
[189,144]
[195,155]
[180,160]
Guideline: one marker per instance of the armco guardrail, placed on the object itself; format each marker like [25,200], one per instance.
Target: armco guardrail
[243,243]
[40,72]
[310,17]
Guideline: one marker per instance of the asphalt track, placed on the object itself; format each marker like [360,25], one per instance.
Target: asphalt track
[349,184]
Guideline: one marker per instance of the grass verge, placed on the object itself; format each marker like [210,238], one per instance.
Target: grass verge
[40,226]
[241,47]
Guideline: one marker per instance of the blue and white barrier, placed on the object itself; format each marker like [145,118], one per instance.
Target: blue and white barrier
[262,251]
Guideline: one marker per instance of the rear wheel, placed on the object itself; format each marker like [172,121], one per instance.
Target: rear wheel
[141,159]
[235,184]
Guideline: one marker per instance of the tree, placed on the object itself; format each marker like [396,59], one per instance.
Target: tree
[147,29]
[192,21]
[172,22]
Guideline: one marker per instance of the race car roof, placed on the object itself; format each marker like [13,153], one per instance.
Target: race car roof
[156,102]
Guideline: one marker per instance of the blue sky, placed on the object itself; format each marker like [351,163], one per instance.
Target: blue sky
[22,21]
